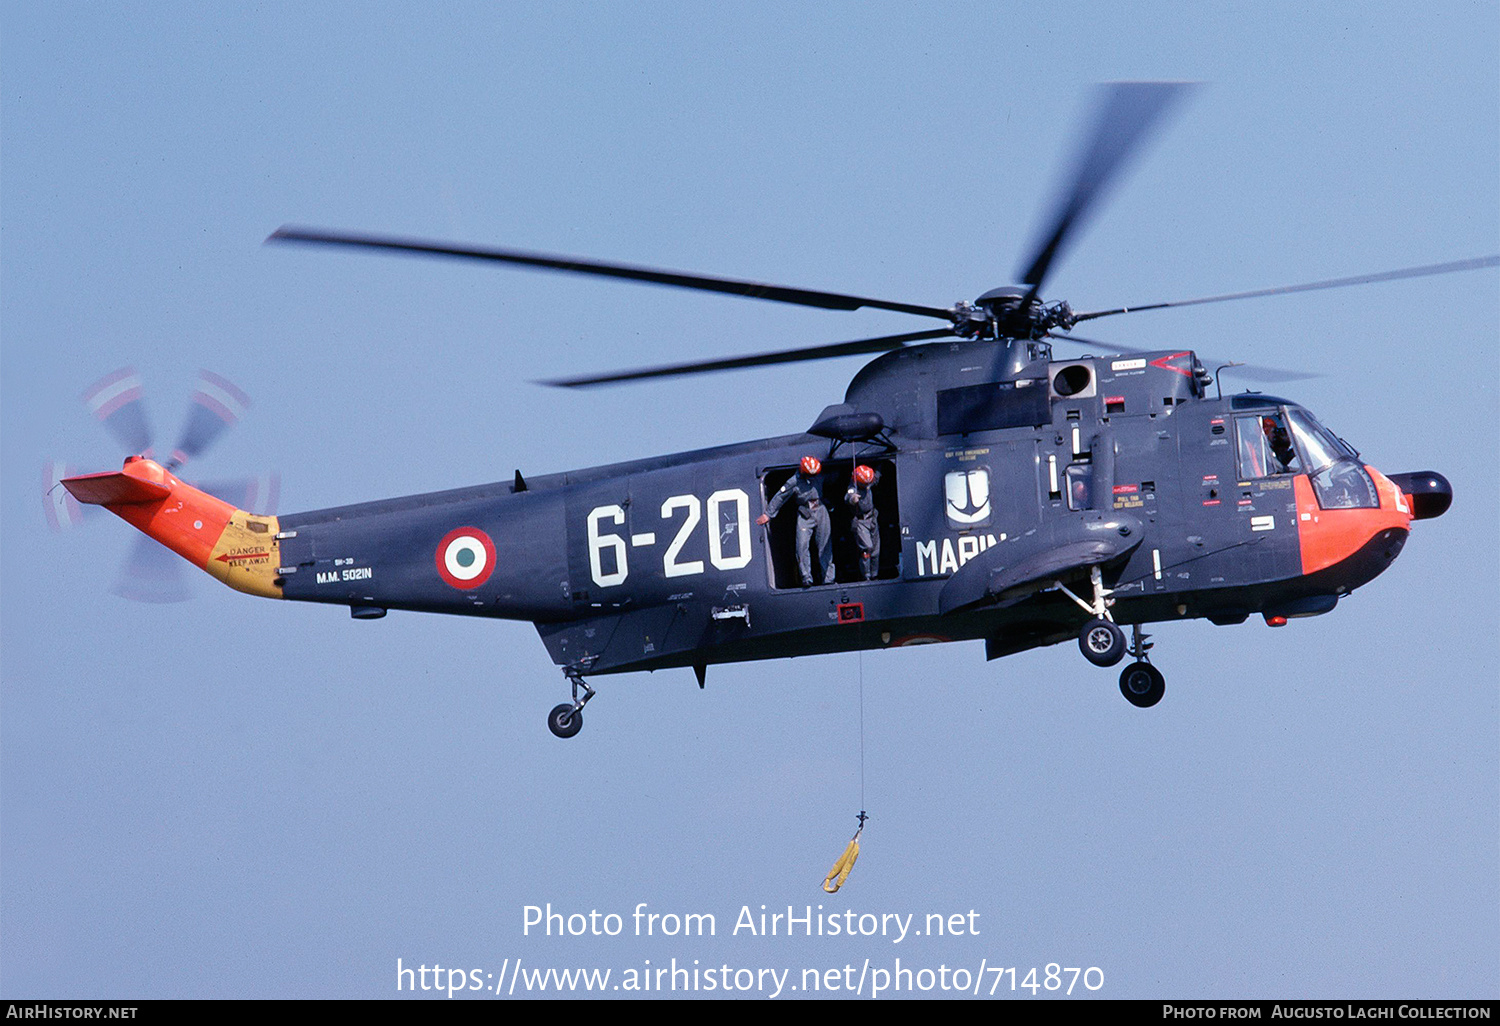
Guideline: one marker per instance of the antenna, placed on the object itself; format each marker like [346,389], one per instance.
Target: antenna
[1224,367]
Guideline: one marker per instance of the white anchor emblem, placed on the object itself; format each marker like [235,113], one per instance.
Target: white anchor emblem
[968,493]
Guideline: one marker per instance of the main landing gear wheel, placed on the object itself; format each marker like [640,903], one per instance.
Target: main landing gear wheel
[1142,685]
[567,719]
[564,720]
[1101,642]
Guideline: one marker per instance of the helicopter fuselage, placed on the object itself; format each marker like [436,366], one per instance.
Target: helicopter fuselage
[656,563]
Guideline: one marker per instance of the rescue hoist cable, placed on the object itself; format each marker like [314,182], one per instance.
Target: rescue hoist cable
[840,871]
[860,655]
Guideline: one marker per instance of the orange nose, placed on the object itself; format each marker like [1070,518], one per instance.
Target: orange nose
[1329,536]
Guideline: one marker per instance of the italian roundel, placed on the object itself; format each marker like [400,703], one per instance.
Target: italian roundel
[465,557]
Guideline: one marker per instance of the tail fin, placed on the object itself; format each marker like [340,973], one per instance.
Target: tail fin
[239,548]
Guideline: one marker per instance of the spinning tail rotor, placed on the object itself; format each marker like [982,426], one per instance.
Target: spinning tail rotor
[151,572]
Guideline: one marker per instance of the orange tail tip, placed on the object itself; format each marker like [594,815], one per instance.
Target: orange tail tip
[114,489]
[239,548]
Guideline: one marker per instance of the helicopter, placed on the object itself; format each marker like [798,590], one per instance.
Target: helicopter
[1008,495]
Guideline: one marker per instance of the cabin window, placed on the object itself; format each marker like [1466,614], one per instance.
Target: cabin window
[1080,486]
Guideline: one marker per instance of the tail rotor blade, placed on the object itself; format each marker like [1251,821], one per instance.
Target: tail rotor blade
[61,509]
[115,401]
[258,494]
[217,404]
[152,573]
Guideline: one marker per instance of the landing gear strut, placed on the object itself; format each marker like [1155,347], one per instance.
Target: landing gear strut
[1141,683]
[566,719]
[1100,641]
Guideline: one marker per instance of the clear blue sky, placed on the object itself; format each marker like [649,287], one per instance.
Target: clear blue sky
[244,798]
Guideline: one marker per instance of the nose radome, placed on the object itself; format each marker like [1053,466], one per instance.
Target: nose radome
[1427,491]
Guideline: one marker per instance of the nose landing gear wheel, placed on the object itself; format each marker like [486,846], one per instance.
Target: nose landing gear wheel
[564,720]
[1101,642]
[1142,685]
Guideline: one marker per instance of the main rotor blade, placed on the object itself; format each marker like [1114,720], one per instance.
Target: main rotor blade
[1107,347]
[1257,372]
[864,345]
[1333,283]
[580,265]
[1126,111]
[1253,371]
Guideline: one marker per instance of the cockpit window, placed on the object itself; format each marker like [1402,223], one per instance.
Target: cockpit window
[1344,484]
[1321,447]
[1338,479]
[1317,441]
[1291,441]
[1266,446]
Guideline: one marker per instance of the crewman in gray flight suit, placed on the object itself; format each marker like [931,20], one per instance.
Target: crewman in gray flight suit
[813,525]
[861,496]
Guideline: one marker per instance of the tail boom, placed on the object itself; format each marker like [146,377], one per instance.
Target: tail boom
[239,548]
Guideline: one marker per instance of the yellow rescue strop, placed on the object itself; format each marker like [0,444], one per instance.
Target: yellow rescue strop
[840,871]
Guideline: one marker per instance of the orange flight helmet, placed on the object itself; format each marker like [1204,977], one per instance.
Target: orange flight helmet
[864,475]
[811,465]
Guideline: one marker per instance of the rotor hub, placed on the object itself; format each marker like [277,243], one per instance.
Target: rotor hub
[1011,311]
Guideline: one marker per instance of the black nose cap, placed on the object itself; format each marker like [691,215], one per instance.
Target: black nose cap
[1428,492]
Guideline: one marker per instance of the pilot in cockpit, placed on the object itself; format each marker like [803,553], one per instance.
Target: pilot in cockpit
[1280,441]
